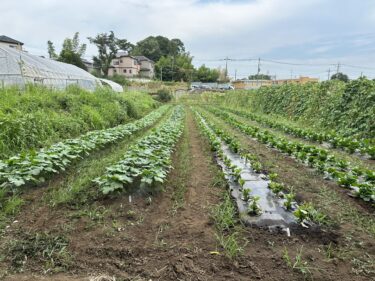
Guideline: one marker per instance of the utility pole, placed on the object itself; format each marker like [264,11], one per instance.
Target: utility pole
[226,68]
[338,68]
[235,74]
[329,73]
[258,72]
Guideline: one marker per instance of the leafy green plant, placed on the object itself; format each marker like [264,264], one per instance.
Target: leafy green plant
[246,194]
[307,212]
[289,200]
[254,208]
[273,176]
[275,187]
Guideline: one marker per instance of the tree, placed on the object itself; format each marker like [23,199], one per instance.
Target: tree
[156,47]
[259,77]
[72,51]
[51,50]
[175,68]
[205,74]
[340,76]
[108,45]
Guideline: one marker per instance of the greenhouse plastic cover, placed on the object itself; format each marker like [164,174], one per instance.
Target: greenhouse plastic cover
[19,68]
[115,86]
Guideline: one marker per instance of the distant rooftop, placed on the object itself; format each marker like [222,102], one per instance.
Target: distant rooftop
[7,39]
[142,58]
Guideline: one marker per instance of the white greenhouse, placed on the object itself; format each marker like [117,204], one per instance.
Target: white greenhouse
[20,68]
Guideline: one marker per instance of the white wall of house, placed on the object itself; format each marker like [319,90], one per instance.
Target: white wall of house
[126,66]
[11,45]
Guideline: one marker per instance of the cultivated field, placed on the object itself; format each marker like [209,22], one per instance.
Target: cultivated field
[271,184]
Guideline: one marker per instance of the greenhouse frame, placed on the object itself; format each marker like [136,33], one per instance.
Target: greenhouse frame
[20,68]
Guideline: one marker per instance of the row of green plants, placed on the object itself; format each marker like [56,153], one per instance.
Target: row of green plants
[34,166]
[360,180]
[349,144]
[348,108]
[304,213]
[148,160]
[38,116]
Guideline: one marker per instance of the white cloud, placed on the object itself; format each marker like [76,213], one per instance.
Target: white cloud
[210,29]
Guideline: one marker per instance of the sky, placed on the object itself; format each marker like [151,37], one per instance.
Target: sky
[291,37]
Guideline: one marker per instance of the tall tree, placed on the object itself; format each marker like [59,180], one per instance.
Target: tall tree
[175,68]
[205,74]
[108,45]
[340,76]
[155,47]
[72,51]
[51,50]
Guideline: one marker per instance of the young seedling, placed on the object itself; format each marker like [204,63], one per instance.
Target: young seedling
[257,166]
[289,200]
[246,194]
[237,173]
[273,176]
[254,208]
[275,187]
[241,181]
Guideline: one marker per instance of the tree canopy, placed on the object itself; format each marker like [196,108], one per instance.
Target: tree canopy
[156,47]
[340,76]
[177,68]
[205,74]
[108,45]
[72,51]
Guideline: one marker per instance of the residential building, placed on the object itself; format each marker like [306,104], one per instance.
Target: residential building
[89,65]
[131,66]
[147,68]
[9,42]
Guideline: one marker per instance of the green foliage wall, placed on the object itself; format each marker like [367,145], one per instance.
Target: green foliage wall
[348,108]
[40,116]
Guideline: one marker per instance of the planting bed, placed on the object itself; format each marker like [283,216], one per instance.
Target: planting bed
[190,192]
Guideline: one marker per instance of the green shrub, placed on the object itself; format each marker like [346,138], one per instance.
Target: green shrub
[163,95]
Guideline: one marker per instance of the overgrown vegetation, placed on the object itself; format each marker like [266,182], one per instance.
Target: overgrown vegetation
[347,108]
[40,116]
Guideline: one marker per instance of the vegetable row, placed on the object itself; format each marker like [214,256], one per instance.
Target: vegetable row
[305,213]
[348,144]
[360,180]
[34,166]
[148,160]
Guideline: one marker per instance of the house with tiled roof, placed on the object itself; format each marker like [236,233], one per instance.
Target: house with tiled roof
[131,66]
[10,42]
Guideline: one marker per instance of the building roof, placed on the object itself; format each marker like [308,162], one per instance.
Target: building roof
[143,58]
[7,39]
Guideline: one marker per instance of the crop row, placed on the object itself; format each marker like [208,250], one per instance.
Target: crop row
[305,213]
[360,180]
[348,144]
[148,160]
[34,166]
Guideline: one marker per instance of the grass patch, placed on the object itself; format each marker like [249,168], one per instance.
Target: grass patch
[39,250]
[184,170]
